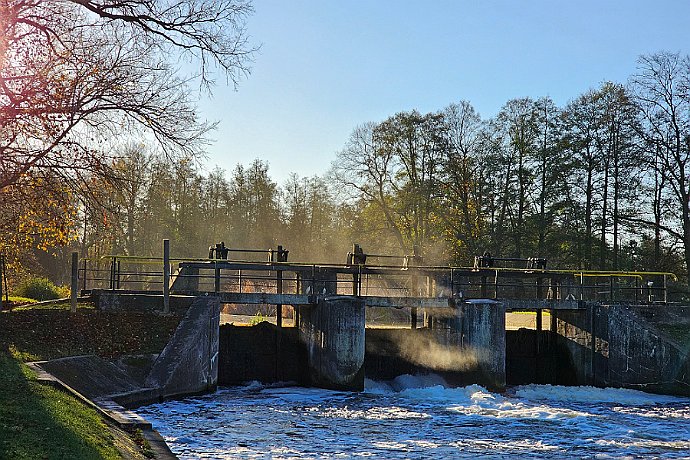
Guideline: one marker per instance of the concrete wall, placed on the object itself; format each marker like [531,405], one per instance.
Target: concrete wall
[189,362]
[642,347]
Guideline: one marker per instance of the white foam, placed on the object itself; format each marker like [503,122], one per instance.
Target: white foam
[493,445]
[681,444]
[661,412]
[473,400]
[587,394]
[420,417]
[374,413]
[406,382]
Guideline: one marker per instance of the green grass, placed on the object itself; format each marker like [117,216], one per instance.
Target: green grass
[38,421]
[41,422]
[20,300]
[55,306]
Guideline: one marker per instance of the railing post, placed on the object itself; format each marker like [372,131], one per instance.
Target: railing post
[298,290]
[279,307]
[582,286]
[84,276]
[216,278]
[496,285]
[74,287]
[117,278]
[113,261]
[166,276]
[665,290]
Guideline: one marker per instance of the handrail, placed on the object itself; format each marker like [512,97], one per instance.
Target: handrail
[575,272]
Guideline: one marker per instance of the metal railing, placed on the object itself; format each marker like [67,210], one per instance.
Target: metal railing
[120,272]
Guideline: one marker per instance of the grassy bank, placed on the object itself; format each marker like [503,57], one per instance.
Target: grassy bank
[38,421]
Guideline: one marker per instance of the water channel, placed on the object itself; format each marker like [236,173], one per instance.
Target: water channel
[421,417]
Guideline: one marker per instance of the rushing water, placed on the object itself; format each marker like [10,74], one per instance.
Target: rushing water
[419,417]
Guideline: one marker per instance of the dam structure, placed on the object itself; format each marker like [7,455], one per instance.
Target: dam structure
[380,316]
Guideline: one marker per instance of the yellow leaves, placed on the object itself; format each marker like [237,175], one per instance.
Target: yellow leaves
[37,214]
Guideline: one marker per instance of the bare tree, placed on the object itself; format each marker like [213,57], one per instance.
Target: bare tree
[76,74]
[662,92]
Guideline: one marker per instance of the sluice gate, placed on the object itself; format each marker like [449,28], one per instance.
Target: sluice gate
[329,325]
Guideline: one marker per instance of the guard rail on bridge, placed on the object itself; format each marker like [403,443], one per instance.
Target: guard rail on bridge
[407,281]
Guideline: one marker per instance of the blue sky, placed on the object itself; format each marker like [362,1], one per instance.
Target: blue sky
[328,66]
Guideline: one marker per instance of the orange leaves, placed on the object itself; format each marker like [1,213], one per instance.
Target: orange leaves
[37,213]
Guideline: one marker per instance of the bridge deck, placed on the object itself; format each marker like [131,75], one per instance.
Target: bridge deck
[429,303]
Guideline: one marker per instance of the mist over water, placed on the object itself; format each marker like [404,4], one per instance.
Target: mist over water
[421,417]
[428,352]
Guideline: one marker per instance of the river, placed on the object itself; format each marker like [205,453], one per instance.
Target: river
[421,417]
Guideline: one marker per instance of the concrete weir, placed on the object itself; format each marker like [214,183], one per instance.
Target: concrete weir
[333,349]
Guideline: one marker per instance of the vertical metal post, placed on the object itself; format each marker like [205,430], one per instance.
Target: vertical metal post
[84,276]
[166,276]
[75,282]
[118,274]
[496,285]
[665,290]
[415,293]
[452,284]
[593,343]
[216,278]
[112,272]
[582,286]
[279,307]
[298,289]
[279,325]
[612,295]
[428,319]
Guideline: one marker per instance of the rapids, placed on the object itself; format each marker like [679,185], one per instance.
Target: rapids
[421,417]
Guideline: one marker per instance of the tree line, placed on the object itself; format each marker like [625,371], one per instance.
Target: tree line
[599,183]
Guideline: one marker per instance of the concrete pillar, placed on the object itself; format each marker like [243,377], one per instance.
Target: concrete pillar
[484,330]
[479,330]
[333,331]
